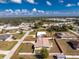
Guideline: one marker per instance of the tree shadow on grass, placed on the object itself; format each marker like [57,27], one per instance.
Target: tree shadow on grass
[54,57]
[38,56]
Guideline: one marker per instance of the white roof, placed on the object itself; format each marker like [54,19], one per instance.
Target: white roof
[10,28]
[42,42]
[41,33]
[1,27]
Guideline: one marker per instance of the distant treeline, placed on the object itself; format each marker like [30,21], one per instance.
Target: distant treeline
[18,20]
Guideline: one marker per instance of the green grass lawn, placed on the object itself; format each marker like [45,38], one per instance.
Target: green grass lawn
[54,48]
[33,57]
[26,47]
[18,36]
[17,56]
[5,45]
[1,56]
[32,33]
[29,38]
[66,49]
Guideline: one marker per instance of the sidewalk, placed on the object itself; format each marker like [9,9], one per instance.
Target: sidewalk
[4,52]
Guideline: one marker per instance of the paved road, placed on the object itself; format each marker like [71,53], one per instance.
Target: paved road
[10,54]
[74,32]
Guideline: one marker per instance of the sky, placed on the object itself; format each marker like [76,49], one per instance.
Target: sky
[39,7]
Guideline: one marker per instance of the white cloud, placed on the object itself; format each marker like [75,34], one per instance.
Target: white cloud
[34,9]
[2,1]
[78,3]
[61,1]
[31,1]
[17,1]
[9,10]
[69,5]
[48,3]
[40,11]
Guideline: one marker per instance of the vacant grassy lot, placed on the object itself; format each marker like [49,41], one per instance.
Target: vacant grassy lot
[1,56]
[66,49]
[26,47]
[18,36]
[32,33]
[33,57]
[5,45]
[29,38]
[54,48]
[21,49]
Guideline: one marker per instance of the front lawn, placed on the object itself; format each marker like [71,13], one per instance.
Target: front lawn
[18,36]
[26,47]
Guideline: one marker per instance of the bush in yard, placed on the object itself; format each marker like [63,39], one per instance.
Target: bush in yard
[44,53]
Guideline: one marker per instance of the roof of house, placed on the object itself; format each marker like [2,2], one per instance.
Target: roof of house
[11,28]
[4,37]
[42,42]
[41,33]
[75,44]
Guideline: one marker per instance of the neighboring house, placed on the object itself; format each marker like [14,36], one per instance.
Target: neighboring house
[40,34]
[45,25]
[25,26]
[75,44]
[10,29]
[42,41]
[5,37]
[58,35]
[1,27]
[60,56]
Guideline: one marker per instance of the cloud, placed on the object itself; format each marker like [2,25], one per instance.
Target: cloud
[35,12]
[61,1]
[2,1]
[41,11]
[9,10]
[17,1]
[69,5]
[34,9]
[78,4]
[31,1]
[48,3]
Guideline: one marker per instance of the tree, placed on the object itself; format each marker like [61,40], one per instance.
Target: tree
[21,58]
[70,27]
[44,53]
[21,32]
